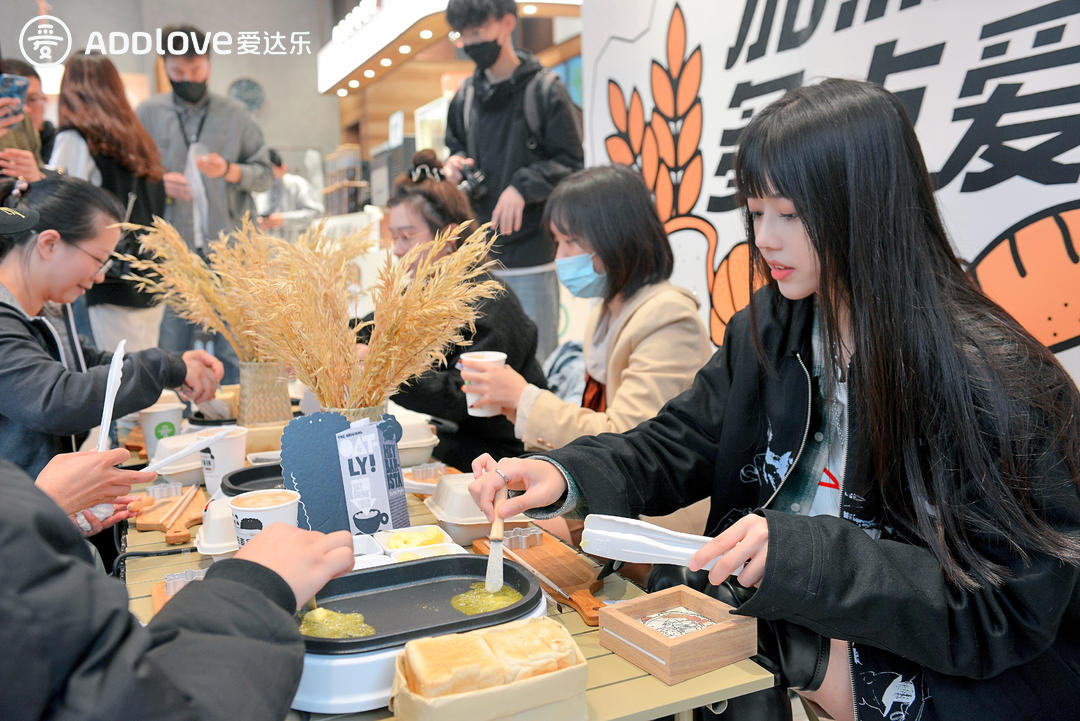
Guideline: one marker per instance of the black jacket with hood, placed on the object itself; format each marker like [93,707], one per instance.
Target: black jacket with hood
[501,152]
[52,386]
[999,652]
[225,648]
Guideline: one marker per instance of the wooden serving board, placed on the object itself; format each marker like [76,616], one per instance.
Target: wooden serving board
[571,571]
[177,532]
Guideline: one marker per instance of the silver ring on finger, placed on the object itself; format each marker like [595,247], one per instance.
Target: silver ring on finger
[506,481]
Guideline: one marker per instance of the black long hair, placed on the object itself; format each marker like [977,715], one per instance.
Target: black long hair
[964,419]
[70,206]
[610,208]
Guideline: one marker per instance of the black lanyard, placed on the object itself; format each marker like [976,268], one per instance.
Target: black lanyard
[198,130]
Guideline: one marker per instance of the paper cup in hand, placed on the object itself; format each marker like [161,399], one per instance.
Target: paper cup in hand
[255,510]
[159,421]
[222,456]
[483,356]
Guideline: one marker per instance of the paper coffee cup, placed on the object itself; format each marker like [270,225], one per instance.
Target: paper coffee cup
[159,421]
[255,510]
[484,356]
[223,456]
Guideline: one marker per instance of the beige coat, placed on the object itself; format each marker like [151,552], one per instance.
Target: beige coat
[656,346]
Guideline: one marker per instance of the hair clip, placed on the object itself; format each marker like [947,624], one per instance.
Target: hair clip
[21,186]
[422,171]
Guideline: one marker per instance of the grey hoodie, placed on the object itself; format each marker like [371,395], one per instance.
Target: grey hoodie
[52,383]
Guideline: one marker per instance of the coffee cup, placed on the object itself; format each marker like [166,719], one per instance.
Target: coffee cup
[222,456]
[369,521]
[159,421]
[255,510]
[497,358]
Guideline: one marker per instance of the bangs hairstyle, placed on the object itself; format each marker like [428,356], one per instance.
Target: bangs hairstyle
[439,202]
[610,209]
[461,14]
[93,101]
[959,408]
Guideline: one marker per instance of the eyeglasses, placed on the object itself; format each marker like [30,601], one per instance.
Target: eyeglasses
[104,264]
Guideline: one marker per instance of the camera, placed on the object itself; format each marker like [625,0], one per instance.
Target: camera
[473,182]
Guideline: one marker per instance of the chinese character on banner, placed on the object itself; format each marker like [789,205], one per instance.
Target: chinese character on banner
[886,62]
[275,47]
[301,44]
[247,43]
[764,92]
[1001,144]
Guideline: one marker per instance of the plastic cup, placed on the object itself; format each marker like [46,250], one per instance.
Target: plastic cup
[159,421]
[223,456]
[255,510]
[493,357]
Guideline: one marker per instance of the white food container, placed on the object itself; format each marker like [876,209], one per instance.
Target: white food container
[457,513]
[401,538]
[415,554]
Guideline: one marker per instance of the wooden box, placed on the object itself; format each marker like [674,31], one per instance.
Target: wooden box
[731,638]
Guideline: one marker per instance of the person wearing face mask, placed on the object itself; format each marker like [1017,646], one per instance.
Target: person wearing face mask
[523,155]
[56,238]
[215,158]
[421,204]
[644,341]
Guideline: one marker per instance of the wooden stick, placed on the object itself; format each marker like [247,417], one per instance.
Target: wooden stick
[183,503]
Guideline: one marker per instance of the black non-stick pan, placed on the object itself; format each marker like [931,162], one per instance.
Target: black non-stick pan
[411,600]
[252,478]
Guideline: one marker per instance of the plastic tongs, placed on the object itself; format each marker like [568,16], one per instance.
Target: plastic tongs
[634,541]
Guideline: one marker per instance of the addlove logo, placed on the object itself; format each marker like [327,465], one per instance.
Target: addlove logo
[45,41]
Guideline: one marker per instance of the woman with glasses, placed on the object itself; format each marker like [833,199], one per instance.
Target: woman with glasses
[56,242]
[422,202]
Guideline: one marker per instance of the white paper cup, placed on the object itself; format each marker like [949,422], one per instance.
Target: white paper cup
[250,515]
[159,421]
[223,456]
[484,356]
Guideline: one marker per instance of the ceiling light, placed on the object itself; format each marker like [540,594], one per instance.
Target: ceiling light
[386,62]
[529,9]
[354,83]
[404,49]
[342,92]
[369,73]
[426,34]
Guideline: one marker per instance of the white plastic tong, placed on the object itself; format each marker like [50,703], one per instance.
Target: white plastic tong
[634,541]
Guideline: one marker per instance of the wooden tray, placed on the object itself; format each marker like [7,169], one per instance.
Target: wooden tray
[178,531]
[571,571]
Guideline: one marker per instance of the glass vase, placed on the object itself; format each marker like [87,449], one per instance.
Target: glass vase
[264,394]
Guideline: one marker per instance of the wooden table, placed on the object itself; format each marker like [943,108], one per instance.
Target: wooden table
[617,690]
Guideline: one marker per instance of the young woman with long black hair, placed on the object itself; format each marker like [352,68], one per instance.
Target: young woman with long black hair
[895,460]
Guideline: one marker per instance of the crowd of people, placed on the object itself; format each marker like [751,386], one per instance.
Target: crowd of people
[888,464]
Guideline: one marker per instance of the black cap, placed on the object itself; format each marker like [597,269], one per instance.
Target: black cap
[14,221]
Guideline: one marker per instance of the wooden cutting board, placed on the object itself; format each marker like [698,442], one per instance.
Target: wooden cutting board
[177,532]
[570,570]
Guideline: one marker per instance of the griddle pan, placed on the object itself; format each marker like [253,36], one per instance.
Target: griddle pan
[411,600]
[252,478]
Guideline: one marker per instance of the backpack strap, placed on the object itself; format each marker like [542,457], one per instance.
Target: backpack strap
[467,119]
[537,92]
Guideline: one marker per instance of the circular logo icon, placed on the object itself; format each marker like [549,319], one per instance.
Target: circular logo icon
[45,41]
[164,430]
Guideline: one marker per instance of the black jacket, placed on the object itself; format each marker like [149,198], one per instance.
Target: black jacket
[501,152]
[1008,652]
[223,648]
[52,386]
[501,325]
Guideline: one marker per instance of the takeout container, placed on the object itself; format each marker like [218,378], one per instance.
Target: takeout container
[555,695]
[731,638]
[457,513]
[188,470]
[401,601]
[413,453]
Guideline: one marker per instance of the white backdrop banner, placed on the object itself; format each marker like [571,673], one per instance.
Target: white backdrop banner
[992,85]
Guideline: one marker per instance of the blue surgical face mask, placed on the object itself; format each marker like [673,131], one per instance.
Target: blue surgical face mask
[579,276]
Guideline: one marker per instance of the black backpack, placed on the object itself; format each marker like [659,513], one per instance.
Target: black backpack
[537,104]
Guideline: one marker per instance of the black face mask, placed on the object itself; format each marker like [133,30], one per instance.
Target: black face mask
[484,54]
[189,92]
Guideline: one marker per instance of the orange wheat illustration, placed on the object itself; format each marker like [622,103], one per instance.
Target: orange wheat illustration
[665,150]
